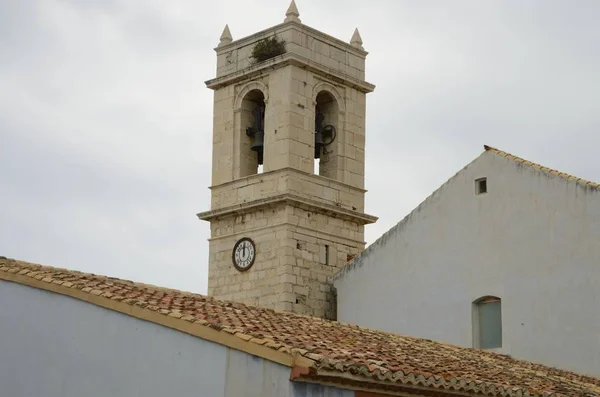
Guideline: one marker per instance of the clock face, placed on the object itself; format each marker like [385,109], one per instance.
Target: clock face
[243,254]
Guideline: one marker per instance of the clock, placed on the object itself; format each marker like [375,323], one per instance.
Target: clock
[243,254]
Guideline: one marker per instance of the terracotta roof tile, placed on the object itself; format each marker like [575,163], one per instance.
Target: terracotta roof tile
[542,168]
[331,351]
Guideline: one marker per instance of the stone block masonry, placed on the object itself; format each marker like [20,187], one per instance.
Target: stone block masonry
[305,224]
[297,252]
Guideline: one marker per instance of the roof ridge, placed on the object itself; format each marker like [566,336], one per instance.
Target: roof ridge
[110,278]
[355,261]
[583,182]
[315,348]
[198,295]
[35,275]
[547,170]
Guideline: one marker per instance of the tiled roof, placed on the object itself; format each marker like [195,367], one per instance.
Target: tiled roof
[539,167]
[317,350]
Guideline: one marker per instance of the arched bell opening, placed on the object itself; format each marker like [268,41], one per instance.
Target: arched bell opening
[253,136]
[326,129]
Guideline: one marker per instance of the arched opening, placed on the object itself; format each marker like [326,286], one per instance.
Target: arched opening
[487,323]
[253,133]
[326,126]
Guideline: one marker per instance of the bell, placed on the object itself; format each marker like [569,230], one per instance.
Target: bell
[318,144]
[258,145]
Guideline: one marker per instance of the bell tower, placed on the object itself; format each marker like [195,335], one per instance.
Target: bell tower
[287,194]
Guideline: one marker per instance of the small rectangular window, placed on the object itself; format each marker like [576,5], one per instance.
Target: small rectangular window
[324,254]
[481,186]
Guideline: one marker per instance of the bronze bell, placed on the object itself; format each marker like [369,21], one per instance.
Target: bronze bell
[318,144]
[258,145]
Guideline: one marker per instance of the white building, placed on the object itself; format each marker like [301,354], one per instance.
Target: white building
[69,334]
[278,235]
[504,256]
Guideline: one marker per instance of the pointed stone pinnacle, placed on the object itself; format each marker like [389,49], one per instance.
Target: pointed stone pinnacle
[292,13]
[225,36]
[356,40]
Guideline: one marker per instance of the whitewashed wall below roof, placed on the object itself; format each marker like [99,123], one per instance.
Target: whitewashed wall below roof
[533,240]
[56,346]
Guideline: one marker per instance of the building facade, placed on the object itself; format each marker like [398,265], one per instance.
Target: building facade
[281,224]
[504,256]
[64,347]
[287,194]
[65,333]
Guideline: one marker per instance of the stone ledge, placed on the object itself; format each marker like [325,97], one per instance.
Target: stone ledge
[256,178]
[292,25]
[289,58]
[290,227]
[294,200]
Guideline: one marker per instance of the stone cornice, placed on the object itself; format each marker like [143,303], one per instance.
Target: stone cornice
[282,27]
[292,199]
[289,58]
[298,229]
[256,178]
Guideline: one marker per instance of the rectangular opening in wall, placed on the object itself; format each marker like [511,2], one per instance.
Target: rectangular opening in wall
[481,186]
[487,323]
[326,254]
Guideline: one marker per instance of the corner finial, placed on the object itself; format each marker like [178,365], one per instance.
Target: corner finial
[225,37]
[356,40]
[292,13]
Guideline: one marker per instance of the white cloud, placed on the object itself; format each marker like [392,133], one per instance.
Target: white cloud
[105,121]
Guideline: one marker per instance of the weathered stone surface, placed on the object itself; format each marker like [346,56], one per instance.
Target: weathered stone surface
[300,243]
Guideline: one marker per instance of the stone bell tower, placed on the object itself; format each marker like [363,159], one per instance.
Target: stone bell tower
[287,194]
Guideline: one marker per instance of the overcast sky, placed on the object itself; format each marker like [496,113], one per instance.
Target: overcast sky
[105,121]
